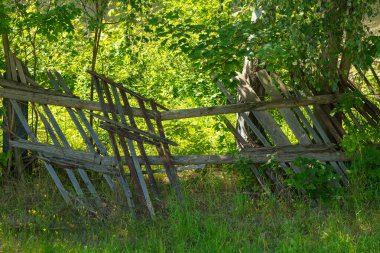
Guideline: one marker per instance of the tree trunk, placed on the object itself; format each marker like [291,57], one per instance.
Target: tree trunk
[248,80]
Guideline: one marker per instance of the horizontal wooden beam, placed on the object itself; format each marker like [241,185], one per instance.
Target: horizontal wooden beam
[44,97]
[39,97]
[69,157]
[228,159]
[323,153]
[289,153]
[252,106]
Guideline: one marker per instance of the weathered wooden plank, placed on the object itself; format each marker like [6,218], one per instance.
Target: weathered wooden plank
[118,158]
[53,99]
[32,87]
[265,119]
[142,149]
[81,157]
[298,111]
[140,145]
[259,155]
[325,156]
[121,87]
[290,118]
[12,59]
[288,115]
[167,158]
[249,122]
[50,169]
[6,48]
[20,71]
[66,144]
[69,172]
[240,140]
[250,106]
[137,165]
[12,124]
[80,128]
[299,148]
[133,129]
[182,168]
[339,166]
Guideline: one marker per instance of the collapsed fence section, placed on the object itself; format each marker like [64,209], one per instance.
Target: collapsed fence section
[137,138]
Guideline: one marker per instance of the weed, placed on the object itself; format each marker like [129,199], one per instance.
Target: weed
[315,179]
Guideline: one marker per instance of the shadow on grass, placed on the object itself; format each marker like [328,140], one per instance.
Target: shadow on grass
[217,217]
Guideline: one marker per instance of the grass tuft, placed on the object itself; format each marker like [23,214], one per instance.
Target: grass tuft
[217,217]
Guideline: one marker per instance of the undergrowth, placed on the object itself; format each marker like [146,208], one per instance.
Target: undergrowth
[217,217]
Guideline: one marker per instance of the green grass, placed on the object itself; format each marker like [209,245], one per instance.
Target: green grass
[217,218]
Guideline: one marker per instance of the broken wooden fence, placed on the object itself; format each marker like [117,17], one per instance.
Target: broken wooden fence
[301,120]
[121,109]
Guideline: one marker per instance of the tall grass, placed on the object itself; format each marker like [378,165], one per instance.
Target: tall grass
[217,217]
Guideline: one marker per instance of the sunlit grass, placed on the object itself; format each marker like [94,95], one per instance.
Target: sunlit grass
[217,218]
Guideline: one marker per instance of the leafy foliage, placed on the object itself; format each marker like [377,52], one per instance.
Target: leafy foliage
[4,18]
[315,179]
[213,35]
[309,42]
[356,140]
[308,37]
[348,101]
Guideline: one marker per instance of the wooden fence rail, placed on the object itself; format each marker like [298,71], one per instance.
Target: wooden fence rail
[52,98]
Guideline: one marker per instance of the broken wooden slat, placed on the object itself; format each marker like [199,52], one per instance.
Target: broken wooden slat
[298,111]
[323,156]
[286,113]
[50,169]
[240,140]
[129,152]
[93,135]
[80,157]
[249,122]
[167,157]
[365,79]
[339,166]
[53,99]
[249,106]
[135,130]
[69,172]
[121,87]
[127,158]
[141,146]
